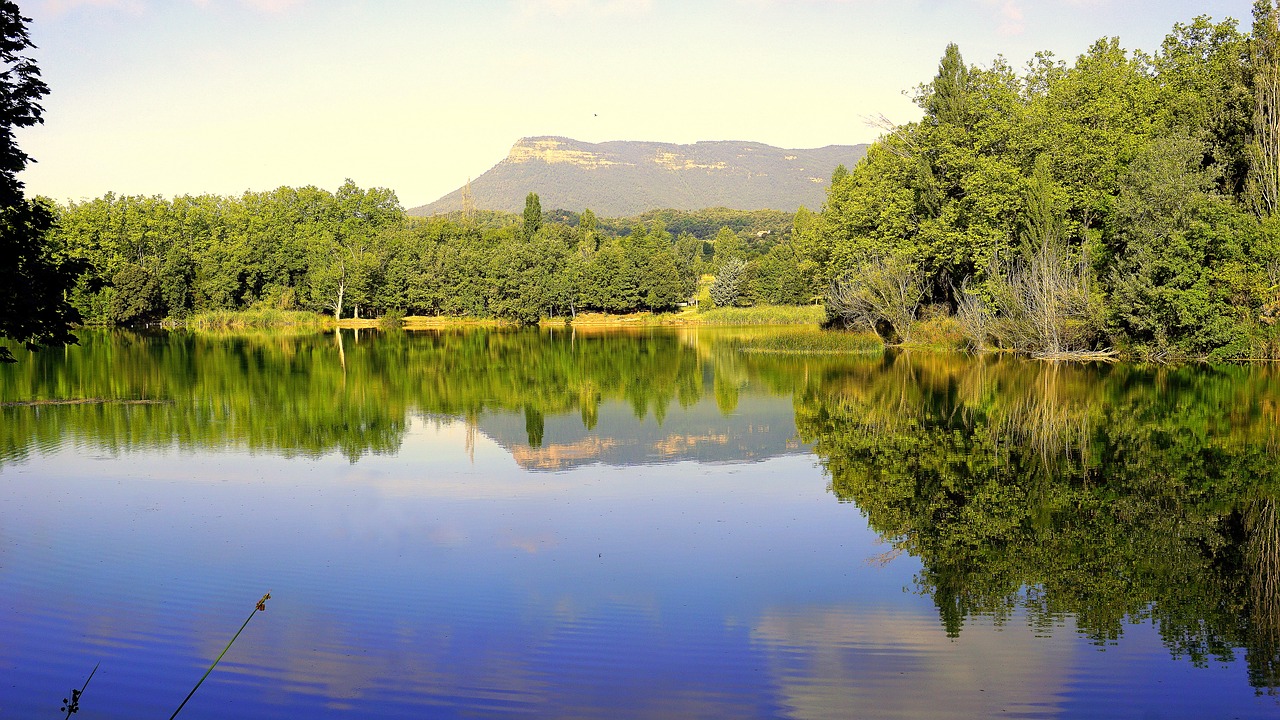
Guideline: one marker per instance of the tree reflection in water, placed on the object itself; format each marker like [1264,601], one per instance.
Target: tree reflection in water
[1113,494]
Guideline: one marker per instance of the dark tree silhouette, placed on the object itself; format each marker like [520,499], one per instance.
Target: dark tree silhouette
[34,277]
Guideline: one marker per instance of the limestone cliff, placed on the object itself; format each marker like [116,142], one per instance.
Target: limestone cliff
[622,178]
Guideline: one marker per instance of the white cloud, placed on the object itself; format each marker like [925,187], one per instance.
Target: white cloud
[592,8]
[1009,15]
[272,6]
[64,7]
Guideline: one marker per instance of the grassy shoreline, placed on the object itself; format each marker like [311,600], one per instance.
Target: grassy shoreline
[812,341]
[261,319]
[252,320]
[936,334]
[762,315]
[430,322]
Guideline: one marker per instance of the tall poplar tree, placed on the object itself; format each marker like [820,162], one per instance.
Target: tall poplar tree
[948,98]
[532,215]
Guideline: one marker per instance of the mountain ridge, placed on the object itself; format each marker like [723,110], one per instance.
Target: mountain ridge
[620,178]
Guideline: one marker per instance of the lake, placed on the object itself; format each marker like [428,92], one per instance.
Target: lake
[644,524]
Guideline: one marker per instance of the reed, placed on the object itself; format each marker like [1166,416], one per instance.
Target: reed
[763,315]
[256,318]
[638,319]
[71,705]
[260,607]
[935,329]
[812,342]
[447,322]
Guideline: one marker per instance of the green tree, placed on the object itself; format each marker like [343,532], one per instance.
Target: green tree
[614,286]
[728,286]
[871,212]
[777,278]
[728,246]
[587,228]
[1090,126]
[532,215]
[654,268]
[1176,286]
[528,278]
[136,297]
[1264,151]
[1206,93]
[35,276]
[687,251]
[344,261]
[947,98]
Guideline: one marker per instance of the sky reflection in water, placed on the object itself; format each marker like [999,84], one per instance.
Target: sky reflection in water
[446,579]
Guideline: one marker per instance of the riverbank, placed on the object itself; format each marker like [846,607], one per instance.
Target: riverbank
[222,320]
[934,332]
[811,341]
[761,315]
[260,319]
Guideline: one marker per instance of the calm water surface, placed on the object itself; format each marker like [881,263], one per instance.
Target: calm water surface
[632,525]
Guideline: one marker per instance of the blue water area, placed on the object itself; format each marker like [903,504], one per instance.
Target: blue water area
[723,561]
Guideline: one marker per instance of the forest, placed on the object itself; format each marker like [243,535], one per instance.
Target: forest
[1121,204]
[354,253]
[1125,202]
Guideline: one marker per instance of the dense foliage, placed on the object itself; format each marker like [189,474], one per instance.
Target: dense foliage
[354,253]
[33,274]
[1111,495]
[1126,200]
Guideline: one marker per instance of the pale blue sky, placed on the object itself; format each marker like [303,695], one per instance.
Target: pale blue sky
[188,96]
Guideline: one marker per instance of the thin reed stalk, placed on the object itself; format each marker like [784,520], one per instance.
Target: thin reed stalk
[261,606]
[71,705]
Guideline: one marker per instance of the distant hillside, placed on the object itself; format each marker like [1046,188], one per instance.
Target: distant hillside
[762,427]
[623,178]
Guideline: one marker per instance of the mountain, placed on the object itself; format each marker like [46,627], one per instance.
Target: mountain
[761,427]
[623,178]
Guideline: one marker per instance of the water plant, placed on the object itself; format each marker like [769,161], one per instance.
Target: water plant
[812,342]
[763,315]
[260,607]
[71,705]
[256,318]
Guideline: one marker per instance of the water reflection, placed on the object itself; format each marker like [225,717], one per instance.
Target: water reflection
[635,525]
[834,663]
[1108,493]
[555,399]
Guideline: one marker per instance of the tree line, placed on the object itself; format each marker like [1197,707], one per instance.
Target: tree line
[1125,202]
[354,253]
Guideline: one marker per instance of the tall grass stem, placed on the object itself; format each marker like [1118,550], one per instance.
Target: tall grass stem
[262,605]
[72,704]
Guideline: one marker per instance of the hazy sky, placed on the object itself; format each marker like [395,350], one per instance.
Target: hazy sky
[189,96]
